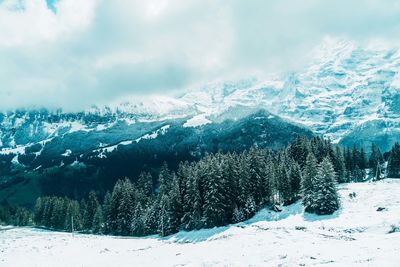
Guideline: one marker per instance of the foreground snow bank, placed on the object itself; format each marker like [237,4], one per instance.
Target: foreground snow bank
[356,235]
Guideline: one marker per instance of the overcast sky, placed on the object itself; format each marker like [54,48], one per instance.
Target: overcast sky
[71,54]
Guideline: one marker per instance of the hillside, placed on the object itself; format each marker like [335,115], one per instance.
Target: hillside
[356,235]
[73,162]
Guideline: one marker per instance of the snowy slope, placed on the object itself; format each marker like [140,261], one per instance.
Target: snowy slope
[357,235]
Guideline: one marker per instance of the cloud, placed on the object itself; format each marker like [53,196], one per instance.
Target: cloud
[88,52]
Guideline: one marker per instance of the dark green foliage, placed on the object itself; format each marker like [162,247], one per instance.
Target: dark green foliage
[308,182]
[92,206]
[325,197]
[394,162]
[219,189]
[14,215]
[375,162]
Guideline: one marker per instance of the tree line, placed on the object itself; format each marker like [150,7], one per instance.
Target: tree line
[219,189]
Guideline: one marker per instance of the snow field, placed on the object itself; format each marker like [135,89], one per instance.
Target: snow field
[356,235]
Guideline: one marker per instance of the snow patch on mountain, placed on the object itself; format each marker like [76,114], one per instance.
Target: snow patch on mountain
[154,134]
[196,121]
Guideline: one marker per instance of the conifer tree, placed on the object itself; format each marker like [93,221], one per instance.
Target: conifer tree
[339,165]
[137,226]
[145,184]
[325,196]
[394,162]
[295,180]
[107,212]
[308,182]
[375,161]
[151,218]
[214,202]
[73,218]
[174,207]
[126,208]
[92,205]
[284,183]
[98,221]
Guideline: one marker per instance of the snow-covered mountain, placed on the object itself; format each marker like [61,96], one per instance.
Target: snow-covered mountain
[347,92]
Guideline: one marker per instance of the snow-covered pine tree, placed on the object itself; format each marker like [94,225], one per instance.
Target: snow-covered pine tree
[137,225]
[325,196]
[151,218]
[295,179]
[164,179]
[193,199]
[256,163]
[126,208]
[214,196]
[174,207]
[284,183]
[145,184]
[308,182]
[238,215]
[230,180]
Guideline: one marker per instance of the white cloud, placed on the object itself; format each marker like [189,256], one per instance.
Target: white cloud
[94,51]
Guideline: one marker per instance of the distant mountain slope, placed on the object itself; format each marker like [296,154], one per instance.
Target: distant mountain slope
[73,162]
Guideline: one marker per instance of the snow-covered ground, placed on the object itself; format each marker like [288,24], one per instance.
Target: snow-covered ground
[357,235]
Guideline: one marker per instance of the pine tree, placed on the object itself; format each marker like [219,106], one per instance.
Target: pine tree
[174,207]
[214,200]
[375,161]
[126,208]
[193,200]
[98,221]
[92,206]
[394,162]
[38,211]
[164,218]
[283,179]
[339,165]
[107,212]
[362,160]
[256,165]
[299,150]
[151,218]
[73,218]
[295,180]
[326,199]
[58,213]
[145,184]
[238,215]
[164,179]
[137,226]
[308,182]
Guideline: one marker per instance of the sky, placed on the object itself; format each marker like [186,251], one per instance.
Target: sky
[73,54]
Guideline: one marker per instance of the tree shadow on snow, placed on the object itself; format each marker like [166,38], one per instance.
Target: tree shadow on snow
[310,217]
[195,235]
